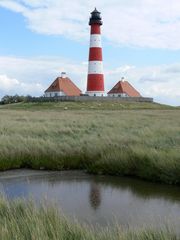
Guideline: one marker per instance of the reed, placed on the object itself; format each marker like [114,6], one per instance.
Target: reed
[24,220]
[138,142]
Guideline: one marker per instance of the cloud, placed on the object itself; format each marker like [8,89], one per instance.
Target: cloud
[7,83]
[147,23]
[12,86]
[33,75]
[153,81]
[120,70]
[13,5]
[173,69]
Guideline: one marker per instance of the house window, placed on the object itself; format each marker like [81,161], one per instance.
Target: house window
[94,95]
[55,94]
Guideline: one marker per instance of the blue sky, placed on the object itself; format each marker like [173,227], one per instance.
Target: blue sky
[41,38]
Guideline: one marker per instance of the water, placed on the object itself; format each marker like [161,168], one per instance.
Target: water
[98,200]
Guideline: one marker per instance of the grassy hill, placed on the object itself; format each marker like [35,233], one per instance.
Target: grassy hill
[97,105]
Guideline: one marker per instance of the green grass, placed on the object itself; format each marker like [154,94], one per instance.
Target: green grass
[133,139]
[24,220]
[91,105]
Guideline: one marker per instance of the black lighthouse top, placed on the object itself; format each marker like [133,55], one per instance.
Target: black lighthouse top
[95,18]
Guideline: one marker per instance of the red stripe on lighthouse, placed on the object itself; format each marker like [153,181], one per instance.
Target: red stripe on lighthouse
[95,29]
[95,82]
[95,54]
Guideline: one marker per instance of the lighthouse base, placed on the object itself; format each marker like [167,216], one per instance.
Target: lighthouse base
[95,94]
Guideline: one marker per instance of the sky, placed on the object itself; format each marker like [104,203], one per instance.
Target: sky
[39,39]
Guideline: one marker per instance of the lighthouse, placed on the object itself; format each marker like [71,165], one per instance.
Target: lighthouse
[95,79]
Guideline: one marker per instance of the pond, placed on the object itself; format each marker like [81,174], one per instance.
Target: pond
[98,200]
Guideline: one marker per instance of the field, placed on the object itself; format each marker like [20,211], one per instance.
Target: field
[23,220]
[134,139]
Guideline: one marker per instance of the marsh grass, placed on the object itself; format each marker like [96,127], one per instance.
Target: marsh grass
[24,220]
[141,143]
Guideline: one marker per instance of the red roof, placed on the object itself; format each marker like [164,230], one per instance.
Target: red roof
[64,85]
[124,87]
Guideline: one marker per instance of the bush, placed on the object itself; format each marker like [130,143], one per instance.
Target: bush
[7,99]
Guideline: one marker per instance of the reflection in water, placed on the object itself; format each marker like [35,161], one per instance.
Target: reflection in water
[98,199]
[95,195]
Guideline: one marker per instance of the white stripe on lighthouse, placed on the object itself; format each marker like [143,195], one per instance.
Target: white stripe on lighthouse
[95,67]
[95,40]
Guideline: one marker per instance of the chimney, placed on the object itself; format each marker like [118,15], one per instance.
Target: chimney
[63,75]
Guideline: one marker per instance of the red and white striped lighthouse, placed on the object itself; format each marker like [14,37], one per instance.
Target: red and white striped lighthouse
[95,81]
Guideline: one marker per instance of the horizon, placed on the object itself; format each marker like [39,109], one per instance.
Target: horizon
[40,39]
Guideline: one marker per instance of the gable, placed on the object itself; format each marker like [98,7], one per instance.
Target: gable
[124,87]
[64,85]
